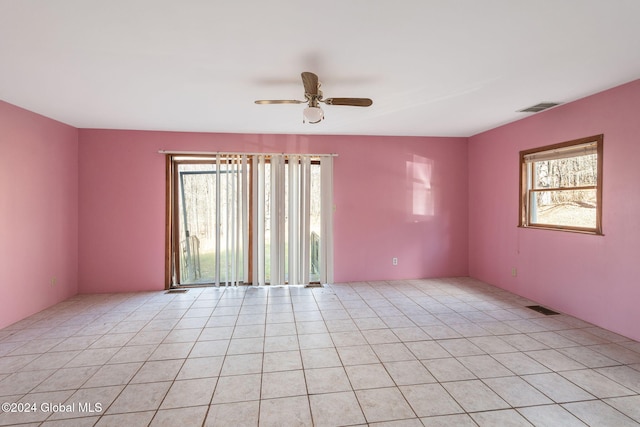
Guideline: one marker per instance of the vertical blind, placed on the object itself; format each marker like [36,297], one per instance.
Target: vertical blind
[288,204]
[232,219]
[262,213]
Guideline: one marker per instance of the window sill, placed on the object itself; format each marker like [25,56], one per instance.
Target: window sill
[569,230]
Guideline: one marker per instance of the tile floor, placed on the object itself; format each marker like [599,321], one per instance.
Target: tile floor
[440,352]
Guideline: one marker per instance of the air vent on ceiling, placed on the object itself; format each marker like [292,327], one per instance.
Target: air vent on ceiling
[539,107]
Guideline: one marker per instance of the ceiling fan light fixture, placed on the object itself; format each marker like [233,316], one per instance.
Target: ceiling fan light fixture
[313,114]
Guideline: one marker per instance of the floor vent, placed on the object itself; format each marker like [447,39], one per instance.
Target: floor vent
[541,309]
[313,285]
[176,291]
[538,107]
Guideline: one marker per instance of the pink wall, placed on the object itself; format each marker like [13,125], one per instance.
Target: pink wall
[395,197]
[596,278]
[87,207]
[38,212]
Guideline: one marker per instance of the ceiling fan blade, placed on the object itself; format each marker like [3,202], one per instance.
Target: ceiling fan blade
[279,101]
[310,82]
[354,102]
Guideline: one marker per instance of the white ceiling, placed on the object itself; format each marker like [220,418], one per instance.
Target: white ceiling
[432,67]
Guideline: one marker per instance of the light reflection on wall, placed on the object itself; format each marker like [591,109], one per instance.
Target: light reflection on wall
[419,188]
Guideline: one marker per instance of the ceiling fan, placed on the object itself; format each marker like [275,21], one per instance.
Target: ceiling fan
[313,95]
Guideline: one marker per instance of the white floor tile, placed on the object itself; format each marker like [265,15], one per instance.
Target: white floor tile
[433,352]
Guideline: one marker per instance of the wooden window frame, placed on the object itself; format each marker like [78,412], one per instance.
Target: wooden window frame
[525,190]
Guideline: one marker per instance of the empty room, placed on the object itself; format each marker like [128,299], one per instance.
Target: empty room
[346,213]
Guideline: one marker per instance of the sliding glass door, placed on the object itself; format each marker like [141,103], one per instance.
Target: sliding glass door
[247,219]
[209,227]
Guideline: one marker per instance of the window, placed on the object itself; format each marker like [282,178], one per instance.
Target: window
[561,186]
